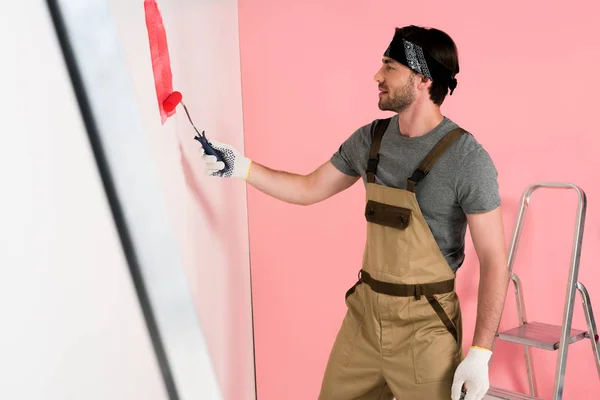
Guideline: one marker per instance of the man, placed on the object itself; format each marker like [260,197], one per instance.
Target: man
[426,181]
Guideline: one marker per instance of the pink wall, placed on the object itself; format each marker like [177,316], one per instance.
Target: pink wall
[527,90]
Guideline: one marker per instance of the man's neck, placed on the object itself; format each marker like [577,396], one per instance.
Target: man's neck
[418,121]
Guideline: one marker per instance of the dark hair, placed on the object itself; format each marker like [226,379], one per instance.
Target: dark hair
[440,46]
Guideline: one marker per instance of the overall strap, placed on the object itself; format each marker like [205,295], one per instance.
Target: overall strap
[380,128]
[438,150]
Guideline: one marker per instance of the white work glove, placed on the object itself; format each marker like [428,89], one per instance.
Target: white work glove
[473,372]
[234,164]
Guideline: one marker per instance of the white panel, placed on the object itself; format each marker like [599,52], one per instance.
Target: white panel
[71,325]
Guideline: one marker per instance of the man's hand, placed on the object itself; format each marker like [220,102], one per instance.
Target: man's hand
[473,372]
[234,164]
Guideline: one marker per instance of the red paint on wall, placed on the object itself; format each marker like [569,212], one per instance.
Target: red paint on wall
[159,51]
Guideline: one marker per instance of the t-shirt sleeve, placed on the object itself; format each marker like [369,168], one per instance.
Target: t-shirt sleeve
[477,183]
[351,156]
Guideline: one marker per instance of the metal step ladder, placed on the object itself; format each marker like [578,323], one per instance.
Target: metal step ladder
[541,335]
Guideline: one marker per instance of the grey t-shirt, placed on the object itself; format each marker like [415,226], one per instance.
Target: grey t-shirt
[463,181]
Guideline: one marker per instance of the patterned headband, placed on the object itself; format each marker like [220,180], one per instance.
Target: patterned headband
[414,57]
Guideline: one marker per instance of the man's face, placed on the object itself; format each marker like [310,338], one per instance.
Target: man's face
[396,86]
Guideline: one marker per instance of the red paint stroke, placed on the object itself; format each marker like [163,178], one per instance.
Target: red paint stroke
[159,51]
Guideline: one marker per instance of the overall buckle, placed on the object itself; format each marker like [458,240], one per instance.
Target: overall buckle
[418,291]
[372,164]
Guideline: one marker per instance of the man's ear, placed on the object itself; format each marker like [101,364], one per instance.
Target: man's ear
[423,82]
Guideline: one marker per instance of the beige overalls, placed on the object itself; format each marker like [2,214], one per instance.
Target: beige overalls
[402,332]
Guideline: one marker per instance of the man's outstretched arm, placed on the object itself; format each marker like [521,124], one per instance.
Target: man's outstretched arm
[322,183]
[317,186]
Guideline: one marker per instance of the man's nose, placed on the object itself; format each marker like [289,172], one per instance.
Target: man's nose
[378,77]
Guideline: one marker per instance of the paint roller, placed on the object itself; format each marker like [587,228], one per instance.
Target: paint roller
[169,105]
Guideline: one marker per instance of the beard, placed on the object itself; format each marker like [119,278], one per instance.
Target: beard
[399,99]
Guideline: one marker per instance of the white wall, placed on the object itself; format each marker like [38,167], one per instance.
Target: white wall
[209,215]
[71,326]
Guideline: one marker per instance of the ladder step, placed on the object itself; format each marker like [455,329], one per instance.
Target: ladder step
[498,393]
[540,335]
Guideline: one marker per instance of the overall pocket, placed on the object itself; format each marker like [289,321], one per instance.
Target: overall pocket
[436,348]
[388,238]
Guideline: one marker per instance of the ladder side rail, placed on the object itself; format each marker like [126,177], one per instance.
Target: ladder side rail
[516,237]
[591,323]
